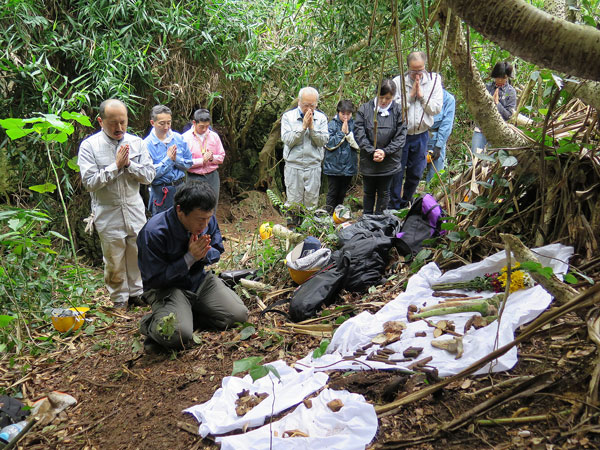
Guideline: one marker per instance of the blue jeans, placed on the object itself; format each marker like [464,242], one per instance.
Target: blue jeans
[414,161]
[438,163]
[478,143]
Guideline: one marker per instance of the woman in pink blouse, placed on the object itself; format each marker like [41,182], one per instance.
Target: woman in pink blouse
[207,151]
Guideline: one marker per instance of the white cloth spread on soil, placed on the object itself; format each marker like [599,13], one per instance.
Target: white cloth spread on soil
[521,307]
[351,428]
[355,425]
[218,416]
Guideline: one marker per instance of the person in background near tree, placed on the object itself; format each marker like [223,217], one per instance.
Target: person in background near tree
[424,97]
[341,157]
[439,133]
[207,151]
[174,248]
[171,158]
[505,98]
[380,160]
[304,133]
[112,164]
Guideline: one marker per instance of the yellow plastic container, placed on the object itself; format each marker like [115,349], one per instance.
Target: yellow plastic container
[64,324]
[299,276]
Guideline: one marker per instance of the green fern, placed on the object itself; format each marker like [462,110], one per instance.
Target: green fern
[275,200]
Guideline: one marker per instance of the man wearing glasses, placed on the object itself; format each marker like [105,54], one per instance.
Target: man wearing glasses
[424,99]
[304,133]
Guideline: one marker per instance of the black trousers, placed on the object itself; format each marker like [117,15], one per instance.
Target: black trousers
[376,186]
[336,192]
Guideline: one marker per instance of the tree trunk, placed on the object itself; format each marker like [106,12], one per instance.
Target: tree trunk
[480,103]
[266,157]
[588,92]
[556,8]
[534,35]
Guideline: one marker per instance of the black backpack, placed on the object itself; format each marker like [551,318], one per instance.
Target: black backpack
[11,411]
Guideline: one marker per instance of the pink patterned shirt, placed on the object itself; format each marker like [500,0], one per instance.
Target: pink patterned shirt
[199,147]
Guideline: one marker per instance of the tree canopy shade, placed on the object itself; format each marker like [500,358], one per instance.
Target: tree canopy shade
[534,35]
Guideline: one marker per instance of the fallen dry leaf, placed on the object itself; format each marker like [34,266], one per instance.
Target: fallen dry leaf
[335,405]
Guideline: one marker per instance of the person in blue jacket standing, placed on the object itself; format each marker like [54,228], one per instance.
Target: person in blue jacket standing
[341,156]
[171,157]
[439,133]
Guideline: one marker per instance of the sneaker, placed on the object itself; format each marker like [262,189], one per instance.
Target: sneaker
[119,305]
[152,347]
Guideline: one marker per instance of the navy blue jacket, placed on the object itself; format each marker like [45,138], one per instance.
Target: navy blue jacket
[343,161]
[162,244]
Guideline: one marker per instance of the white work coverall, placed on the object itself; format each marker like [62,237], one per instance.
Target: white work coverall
[421,113]
[117,207]
[303,154]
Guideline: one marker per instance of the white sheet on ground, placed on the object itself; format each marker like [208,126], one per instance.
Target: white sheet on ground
[351,428]
[218,416]
[521,307]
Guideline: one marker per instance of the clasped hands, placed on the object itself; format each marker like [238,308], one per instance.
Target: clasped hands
[378,155]
[199,246]
[122,158]
[307,122]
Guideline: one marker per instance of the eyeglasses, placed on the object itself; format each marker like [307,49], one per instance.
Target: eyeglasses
[416,72]
[308,105]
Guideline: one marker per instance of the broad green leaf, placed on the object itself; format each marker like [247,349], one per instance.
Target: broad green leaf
[568,148]
[72,163]
[43,188]
[511,161]
[56,137]
[423,254]
[474,231]
[447,254]
[506,160]
[321,349]
[245,364]
[16,133]
[80,118]
[340,320]
[12,123]
[569,278]
[448,226]
[90,330]
[486,157]
[5,320]
[273,370]
[257,372]
[468,206]
[247,333]
[454,236]
[536,267]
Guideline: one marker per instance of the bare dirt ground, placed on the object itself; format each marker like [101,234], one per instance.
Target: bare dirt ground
[131,400]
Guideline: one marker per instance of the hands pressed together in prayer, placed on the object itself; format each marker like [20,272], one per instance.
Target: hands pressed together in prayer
[172,152]
[497,96]
[345,127]
[199,246]
[122,158]
[416,91]
[307,122]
